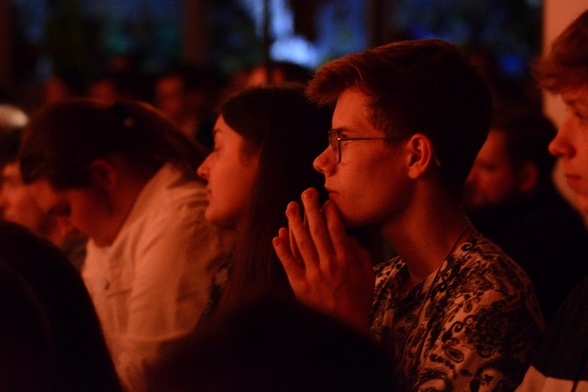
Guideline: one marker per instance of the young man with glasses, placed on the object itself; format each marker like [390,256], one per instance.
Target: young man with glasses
[453,310]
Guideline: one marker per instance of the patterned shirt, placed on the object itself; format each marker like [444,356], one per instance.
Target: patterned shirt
[472,325]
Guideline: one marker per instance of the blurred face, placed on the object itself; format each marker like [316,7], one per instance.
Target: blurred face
[83,210]
[170,97]
[570,144]
[18,204]
[369,185]
[259,77]
[55,90]
[230,173]
[104,90]
[493,179]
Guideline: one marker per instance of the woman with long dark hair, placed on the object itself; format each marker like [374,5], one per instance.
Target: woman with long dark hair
[265,140]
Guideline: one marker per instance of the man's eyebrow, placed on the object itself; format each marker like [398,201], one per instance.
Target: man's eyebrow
[343,129]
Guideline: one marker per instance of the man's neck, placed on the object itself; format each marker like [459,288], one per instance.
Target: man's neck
[426,234]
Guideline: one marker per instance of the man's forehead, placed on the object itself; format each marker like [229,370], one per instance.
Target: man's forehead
[352,107]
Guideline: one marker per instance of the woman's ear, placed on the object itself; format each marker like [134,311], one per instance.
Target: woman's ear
[104,174]
[421,155]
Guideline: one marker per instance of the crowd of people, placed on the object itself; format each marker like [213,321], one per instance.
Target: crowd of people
[373,225]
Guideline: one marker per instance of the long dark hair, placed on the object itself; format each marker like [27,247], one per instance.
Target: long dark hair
[288,132]
[63,139]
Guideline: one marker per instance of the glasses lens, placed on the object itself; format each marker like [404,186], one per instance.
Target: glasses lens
[333,139]
[334,143]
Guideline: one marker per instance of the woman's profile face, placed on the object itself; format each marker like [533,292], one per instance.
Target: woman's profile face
[80,210]
[230,173]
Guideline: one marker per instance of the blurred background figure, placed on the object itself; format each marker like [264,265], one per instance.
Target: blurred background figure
[277,72]
[62,85]
[511,198]
[50,336]
[108,88]
[104,88]
[120,78]
[266,73]
[186,95]
[18,205]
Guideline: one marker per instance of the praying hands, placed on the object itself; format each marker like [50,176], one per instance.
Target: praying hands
[327,269]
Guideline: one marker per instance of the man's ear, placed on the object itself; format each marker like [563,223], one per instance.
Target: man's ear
[528,177]
[421,155]
[104,174]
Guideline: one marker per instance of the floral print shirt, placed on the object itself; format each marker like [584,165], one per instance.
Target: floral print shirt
[470,326]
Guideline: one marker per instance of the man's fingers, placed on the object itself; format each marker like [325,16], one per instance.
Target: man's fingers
[337,233]
[300,236]
[316,224]
[293,269]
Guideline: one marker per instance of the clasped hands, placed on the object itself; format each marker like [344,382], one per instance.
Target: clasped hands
[327,269]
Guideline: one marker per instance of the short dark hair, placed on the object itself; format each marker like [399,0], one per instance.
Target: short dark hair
[62,140]
[566,64]
[422,86]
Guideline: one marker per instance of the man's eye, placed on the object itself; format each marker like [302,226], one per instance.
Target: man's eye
[343,138]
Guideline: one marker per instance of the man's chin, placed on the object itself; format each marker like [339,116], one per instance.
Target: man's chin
[350,221]
[349,217]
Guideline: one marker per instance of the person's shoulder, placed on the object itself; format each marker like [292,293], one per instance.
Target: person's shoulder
[173,193]
[176,184]
[481,250]
[482,257]
[564,353]
[578,297]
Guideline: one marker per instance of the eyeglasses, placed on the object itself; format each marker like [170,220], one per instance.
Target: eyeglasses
[335,140]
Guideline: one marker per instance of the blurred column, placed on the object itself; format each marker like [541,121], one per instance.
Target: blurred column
[196,31]
[377,22]
[5,45]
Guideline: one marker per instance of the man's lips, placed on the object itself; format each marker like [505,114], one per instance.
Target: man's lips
[331,192]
